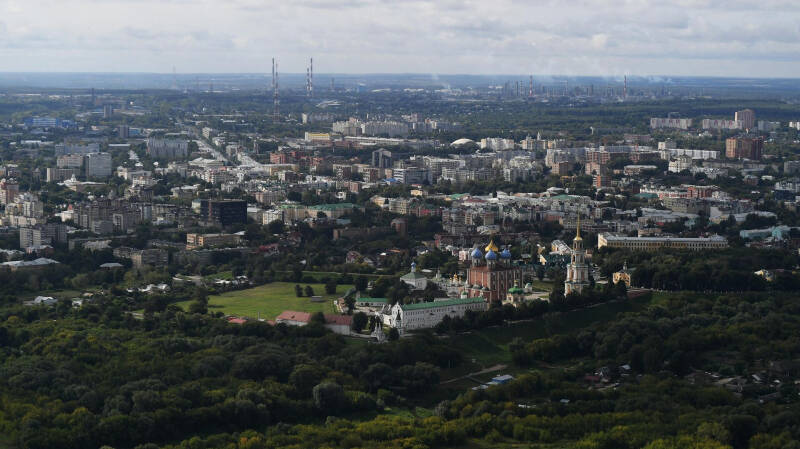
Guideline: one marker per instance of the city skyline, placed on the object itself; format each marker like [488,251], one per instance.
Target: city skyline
[690,38]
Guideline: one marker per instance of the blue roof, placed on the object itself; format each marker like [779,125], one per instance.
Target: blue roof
[506,254]
[491,255]
[477,254]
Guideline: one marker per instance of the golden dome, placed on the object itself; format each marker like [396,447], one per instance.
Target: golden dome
[491,247]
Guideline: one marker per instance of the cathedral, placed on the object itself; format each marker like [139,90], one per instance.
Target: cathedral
[577,270]
[491,274]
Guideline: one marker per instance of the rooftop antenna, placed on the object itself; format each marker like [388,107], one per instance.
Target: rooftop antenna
[275,101]
[311,78]
[625,88]
[530,88]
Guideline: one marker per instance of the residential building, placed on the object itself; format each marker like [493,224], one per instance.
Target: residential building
[675,123]
[194,241]
[167,148]
[747,117]
[223,212]
[721,124]
[9,189]
[98,165]
[382,158]
[744,148]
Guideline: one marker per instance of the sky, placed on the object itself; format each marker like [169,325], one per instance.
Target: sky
[542,37]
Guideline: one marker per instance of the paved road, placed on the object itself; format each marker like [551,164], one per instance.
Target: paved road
[477,373]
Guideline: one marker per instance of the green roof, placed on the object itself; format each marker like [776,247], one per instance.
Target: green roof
[333,206]
[515,290]
[366,299]
[563,196]
[449,302]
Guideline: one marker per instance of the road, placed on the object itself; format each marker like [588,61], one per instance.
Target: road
[477,373]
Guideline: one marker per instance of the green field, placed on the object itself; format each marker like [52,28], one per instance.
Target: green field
[270,300]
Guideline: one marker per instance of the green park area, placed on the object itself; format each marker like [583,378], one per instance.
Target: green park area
[270,300]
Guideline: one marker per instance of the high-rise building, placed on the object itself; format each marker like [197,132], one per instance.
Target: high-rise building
[61,174]
[744,148]
[70,161]
[167,148]
[224,212]
[411,175]
[123,131]
[9,189]
[382,158]
[747,117]
[98,165]
[578,269]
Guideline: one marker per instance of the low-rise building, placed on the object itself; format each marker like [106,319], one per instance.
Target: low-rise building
[425,315]
[654,243]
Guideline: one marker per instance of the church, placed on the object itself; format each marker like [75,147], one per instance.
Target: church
[578,269]
[492,274]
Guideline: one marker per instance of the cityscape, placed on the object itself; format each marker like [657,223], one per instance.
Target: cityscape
[314,257]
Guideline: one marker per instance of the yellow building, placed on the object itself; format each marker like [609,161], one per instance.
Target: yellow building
[623,276]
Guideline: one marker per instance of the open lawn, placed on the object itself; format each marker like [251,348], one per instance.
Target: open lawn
[270,300]
[542,286]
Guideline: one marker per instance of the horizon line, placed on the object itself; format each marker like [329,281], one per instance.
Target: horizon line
[268,74]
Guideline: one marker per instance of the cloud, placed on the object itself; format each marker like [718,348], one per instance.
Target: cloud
[592,37]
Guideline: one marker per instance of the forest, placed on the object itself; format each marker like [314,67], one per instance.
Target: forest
[95,376]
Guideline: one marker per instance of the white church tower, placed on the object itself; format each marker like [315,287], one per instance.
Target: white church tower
[577,270]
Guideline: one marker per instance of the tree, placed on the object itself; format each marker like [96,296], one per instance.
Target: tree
[330,287]
[394,334]
[309,290]
[360,283]
[621,289]
[199,305]
[359,321]
[275,227]
[298,291]
[317,318]
[329,397]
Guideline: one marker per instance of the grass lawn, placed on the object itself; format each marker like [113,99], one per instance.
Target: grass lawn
[542,286]
[270,300]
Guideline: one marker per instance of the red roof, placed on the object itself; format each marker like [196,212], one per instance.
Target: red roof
[345,320]
[234,320]
[291,315]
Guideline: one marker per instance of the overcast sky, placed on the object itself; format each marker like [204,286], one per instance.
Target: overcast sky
[565,37]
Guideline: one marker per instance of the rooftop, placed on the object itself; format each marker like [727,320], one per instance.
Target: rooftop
[445,303]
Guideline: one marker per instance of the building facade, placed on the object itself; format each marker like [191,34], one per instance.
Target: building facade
[492,274]
[577,270]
